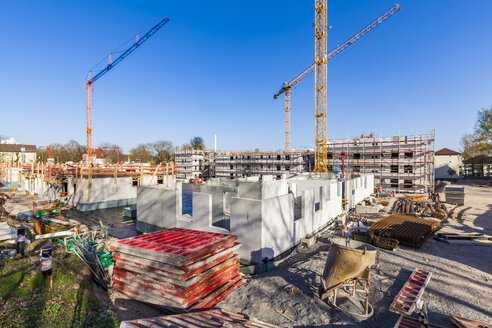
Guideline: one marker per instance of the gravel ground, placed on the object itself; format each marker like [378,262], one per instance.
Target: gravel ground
[461,280]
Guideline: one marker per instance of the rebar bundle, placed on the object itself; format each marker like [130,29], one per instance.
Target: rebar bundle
[424,208]
[87,252]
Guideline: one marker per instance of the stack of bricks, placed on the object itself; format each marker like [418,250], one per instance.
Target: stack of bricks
[178,269]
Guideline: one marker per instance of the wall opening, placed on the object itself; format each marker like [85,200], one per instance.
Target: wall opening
[318,206]
[187,191]
[394,168]
[394,183]
[135,181]
[297,208]
[160,179]
[407,184]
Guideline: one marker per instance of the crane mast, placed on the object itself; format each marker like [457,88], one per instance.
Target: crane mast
[332,53]
[90,80]
[320,46]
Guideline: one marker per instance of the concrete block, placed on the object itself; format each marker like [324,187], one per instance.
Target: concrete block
[130,212]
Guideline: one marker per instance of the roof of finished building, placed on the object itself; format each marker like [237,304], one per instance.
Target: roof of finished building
[14,148]
[446,151]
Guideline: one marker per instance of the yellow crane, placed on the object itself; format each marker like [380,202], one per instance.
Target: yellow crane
[320,77]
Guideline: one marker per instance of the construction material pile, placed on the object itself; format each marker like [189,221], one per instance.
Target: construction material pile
[405,205]
[409,230]
[455,195]
[3,200]
[178,269]
[88,253]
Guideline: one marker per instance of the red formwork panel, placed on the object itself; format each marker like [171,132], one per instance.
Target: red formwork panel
[181,298]
[179,269]
[182,272]
[179,286]
[405,301]
[178,246]
[209,318]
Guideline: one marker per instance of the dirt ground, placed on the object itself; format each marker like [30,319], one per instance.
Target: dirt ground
[461,280]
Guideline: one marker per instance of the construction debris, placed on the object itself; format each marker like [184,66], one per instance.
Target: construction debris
[468,323]
[406,205]
[210,318]
[409,230]
[48,224]
[406,300]
[479,239]
[178,269]
[56,234]
[8,254]
[6,233]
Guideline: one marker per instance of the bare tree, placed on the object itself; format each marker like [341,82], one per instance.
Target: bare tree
[469,147]
[483,131]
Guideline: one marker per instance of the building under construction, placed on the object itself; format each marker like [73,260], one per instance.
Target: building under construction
[399,163]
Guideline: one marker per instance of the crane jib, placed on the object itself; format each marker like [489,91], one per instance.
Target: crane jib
[129,50]
[338,49]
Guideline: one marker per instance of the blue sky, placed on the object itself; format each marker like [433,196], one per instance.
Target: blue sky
[214,68]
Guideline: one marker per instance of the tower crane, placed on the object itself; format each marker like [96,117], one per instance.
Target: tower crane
[46,147]
[116,150]
[90,80]
[338,49]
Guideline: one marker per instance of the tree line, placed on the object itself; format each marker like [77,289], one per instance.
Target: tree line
[159,152]
[480,141]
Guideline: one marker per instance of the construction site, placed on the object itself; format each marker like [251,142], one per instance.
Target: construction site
[348,232]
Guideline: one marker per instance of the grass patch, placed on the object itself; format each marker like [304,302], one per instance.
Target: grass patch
[28,301]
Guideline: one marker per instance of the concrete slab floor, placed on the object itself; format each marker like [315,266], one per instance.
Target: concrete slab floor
[118,225]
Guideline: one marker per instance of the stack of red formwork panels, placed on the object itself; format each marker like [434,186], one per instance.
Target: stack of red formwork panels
[178,269]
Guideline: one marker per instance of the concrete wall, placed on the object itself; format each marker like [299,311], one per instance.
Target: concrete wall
[277,232]
[246,224]
[156,206]
[104,194]
[355,190]
[265,227]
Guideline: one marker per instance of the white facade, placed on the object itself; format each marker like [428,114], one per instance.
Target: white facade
[448,166]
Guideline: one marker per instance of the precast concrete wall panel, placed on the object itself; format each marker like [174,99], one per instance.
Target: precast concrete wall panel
[246,224]
[251,190]
[202,210]
[274,188]
[277,233]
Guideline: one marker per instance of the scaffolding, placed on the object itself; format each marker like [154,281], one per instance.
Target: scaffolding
[248,164]
[401,163]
